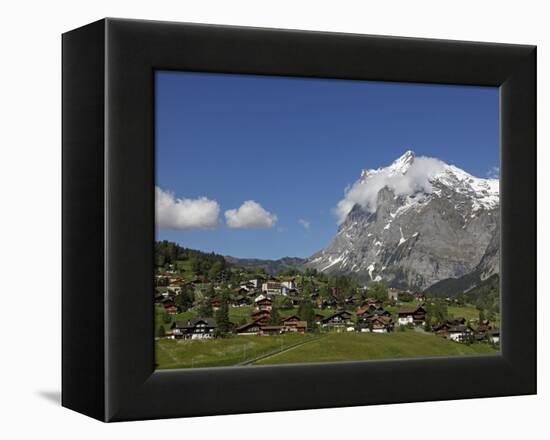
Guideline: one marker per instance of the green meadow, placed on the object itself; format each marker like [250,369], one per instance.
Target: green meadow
[295,348]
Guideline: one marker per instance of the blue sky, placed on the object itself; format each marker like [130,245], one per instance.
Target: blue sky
[292,145]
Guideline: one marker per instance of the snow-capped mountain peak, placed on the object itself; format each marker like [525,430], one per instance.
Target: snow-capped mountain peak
[485,192]
[402,164]
[398,166]
[414,223]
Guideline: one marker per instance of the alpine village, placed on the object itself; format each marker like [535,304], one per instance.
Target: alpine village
[210,312]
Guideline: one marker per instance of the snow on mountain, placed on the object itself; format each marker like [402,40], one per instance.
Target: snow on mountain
[414,223]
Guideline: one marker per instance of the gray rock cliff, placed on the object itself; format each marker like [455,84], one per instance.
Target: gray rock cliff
[414,224]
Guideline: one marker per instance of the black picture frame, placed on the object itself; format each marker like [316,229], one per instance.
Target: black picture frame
[108,219]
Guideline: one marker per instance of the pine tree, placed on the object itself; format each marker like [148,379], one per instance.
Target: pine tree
[222,316]
[306,313]
[428,323]
[441,312]
[161,332]
[491,316]
[481,315]
[205,309]
[275,318]
[377,290]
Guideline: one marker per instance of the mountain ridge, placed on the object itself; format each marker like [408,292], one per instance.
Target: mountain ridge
[271,266]
[416,223]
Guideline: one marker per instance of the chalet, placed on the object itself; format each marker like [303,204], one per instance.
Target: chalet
[172,310]
[338,320]
[199,328]
[319,318]
[363,313]
[460,333]
[381,324]
[251,328]
[256,282]
[371,301]
[393,294]
[161,280]
[216,303]
[441,328]
[239,301]
[411,315]
[240,290]
[494,336]
[169,294]
[377,324]
[295,326]
[268,330]
[170,306]
[289,284]
[329,303]
[381,312]
[350,300]
[174,289]
[272,287]
[262,302]
[459,320]
[263,316]
[290,320]
[484,327]
[248,285]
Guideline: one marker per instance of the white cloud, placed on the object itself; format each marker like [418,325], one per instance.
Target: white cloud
[364,192]
[173,213]
[250,215]
[304,223]
[493,173]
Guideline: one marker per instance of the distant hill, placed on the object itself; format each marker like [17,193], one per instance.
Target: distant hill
[167,252]
[455,286]
[272,267]
[485,293]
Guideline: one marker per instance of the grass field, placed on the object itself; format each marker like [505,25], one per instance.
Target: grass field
[220,352]
[367,346]
[327,347]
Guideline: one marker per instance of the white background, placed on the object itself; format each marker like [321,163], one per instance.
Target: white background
[30,185]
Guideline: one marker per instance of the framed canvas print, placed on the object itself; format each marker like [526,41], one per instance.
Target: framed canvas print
[260,220]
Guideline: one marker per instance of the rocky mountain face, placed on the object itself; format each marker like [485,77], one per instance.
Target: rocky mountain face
[416,224]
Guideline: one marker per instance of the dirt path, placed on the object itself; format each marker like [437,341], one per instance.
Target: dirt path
[278,351]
